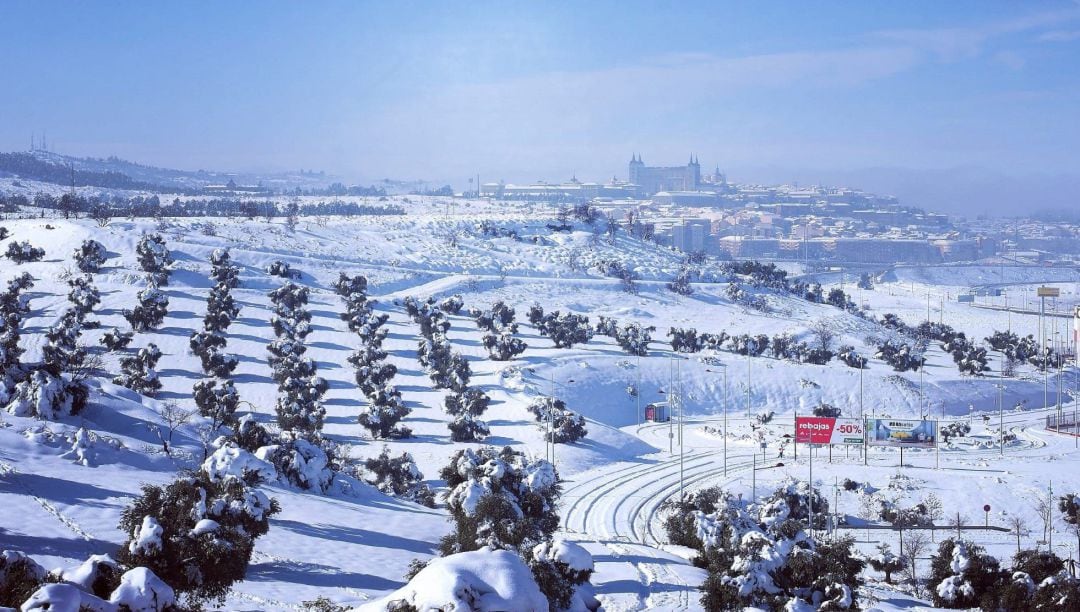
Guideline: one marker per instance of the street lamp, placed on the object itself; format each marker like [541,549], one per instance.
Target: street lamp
[549,446]
[724,365]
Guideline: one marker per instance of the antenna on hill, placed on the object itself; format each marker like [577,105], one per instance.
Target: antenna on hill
[44,146]
[31,141]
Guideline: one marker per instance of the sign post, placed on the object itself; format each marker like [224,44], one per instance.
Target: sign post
[986,511]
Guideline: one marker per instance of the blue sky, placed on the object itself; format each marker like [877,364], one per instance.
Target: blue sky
[539,90]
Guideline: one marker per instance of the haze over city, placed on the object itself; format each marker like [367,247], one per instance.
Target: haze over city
[962,106]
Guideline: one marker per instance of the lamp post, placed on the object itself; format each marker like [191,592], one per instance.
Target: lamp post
[549,446]
[724,365]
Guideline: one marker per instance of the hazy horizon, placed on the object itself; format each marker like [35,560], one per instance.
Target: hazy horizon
[963,107]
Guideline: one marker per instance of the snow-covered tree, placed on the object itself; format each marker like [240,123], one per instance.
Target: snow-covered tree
[302,460]
[62,352]
[562,570]
[559,424]
[47,396]
[760,555]
[83,295]
[960,574]
[452,305]
[90,256]
[116,340]
[851,358]
[383,411]
[223,271]
[20,576]
[565,329]
[282,269]
[24,252]
[886,562]
[138,371]
[466,407]
[398,476]
[503,346]
[634,338]
[291,318]
[197,533]
[154,259]
[299,404]
[684,340]
[500,499]
[150,311]
[207,346]
[217,400]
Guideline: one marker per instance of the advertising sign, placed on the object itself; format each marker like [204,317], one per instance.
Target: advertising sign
[828,430]
[1048,292]
[898,432]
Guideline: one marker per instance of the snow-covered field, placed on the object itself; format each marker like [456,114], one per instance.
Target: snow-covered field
[354,544]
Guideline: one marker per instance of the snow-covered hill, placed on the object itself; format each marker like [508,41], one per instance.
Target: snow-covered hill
[354,544]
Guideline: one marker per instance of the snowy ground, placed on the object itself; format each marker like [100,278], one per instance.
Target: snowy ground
[355,546]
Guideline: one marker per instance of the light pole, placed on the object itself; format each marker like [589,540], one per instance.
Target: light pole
[751,345]
[1001,417]
[724,365]
[549,446]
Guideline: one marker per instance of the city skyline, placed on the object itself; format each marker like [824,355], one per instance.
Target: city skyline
[963,107]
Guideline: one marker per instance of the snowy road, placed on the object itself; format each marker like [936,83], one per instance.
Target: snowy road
[615,510]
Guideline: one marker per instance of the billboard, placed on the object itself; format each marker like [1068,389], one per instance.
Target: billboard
[828,430]
[899,432]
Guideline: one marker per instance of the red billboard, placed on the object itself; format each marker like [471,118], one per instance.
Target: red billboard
[828,430]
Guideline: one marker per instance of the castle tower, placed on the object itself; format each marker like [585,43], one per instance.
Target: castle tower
[636,165]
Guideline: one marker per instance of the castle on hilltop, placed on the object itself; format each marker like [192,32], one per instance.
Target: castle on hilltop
[654,179]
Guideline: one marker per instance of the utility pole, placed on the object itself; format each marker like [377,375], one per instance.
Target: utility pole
[750,343]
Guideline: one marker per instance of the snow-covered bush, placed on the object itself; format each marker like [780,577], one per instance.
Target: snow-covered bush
[474,580]
[681,283]
[452,305]
[62,352]
[19,578]
[634,338]
[684,340]
[197,533]
[372,371]
[850,357]
[467,428]
[886,562]
[138,371]
[14,305]
[503,346]
[761,556]
[398,476]
[250,435]
[90,256]
[500,499]
[301,462]
[470,401]
[291,318]
[955,429]
[562,570]
[24,252]
[299,404]
[565,330]
[221,309]
[901,356]
[150,311]
[222,270]
[217,401]
[559,424]
[48,396]
[282,269]
[83,295]
[381,414]
[960,574]
[116,340]
[154,259]
[207,346]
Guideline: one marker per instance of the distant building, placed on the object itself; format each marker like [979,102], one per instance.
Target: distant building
[689,236]
[654,179]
